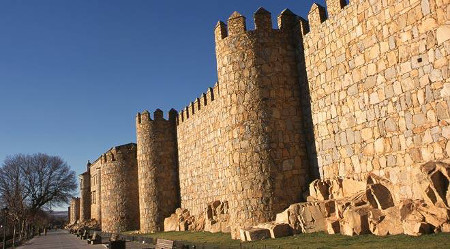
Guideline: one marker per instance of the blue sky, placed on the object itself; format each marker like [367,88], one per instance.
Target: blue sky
[74,73]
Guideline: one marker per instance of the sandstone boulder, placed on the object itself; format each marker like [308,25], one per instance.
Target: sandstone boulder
[283,217]
[375,206]
[352,187]
[333,225]
[335,188]
[379,196]
[433,215]
[319,190]
[445,228]
[437,189]
[357,200]
[307,217]
[355,221]
[214,219]
[414,228]
[254,234]
[385,222]
[277,230]
[217,217]
[171,223]
[181,220]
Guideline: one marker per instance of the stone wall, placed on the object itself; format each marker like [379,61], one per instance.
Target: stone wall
[378,77]
[85,195]
[366,90]
[157,159]
[74,210]
[203,173]
[119,190]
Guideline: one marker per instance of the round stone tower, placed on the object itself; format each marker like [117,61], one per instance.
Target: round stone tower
[260,94]
[158,169]
[85,193]
[120,196]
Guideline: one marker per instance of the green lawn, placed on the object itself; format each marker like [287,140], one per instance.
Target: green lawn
[310,240]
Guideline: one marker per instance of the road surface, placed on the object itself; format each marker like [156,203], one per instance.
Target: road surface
[60,239]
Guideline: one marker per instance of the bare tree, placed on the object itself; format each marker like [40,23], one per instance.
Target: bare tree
[31,183]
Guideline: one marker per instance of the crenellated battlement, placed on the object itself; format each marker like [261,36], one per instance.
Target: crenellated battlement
[287,20]
[199,103]
[236,24]
[117,152]
[158,115]
[318,14]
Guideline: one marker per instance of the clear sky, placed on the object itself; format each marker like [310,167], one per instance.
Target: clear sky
[74,73]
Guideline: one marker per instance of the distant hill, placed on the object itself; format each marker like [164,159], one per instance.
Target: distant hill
[58,214]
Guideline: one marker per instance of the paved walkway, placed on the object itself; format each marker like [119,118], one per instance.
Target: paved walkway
[60,239]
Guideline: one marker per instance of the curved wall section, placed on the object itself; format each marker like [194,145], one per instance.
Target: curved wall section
[263,131]
[119,190]
[85,193]
[158,169]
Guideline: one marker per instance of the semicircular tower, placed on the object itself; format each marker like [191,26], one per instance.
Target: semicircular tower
[262,116]
[157,158]
[85,194]
[120,196]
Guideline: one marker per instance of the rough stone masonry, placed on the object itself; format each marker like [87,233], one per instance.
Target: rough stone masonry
[360,91]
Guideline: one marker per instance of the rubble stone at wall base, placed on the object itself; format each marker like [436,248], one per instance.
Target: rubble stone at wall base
[372,209]
[215,218]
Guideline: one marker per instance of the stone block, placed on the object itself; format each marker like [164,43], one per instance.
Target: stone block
[445,228]
[333,225]
[277,230]
[387,222]
[254,234]
[171,223]
[415,228]
[355,221]
[351,187]
[319,190]
[242,234]
[379,196]
[212,226]
[283,217]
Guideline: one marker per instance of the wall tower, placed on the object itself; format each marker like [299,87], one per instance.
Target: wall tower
[263,126]
[74,210]
[158,168]
[85,193]
[120,196]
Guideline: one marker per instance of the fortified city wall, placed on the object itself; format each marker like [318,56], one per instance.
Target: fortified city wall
[203,175]
[119,189]
[379,88]
[362,89]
